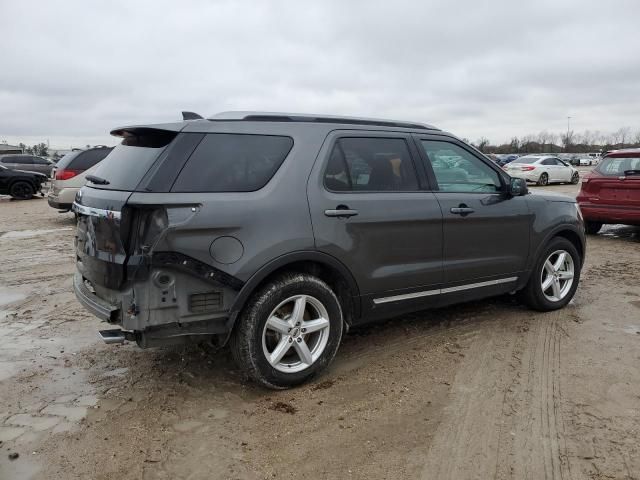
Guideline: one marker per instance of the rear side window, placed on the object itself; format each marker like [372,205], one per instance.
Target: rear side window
[616,166]
[233,163]
[370,165]
[87,159]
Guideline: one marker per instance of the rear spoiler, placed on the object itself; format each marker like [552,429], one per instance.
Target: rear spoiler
[147,129]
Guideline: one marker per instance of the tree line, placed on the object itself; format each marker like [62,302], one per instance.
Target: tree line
[571,141]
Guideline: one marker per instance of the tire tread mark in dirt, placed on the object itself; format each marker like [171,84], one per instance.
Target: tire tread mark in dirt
[550,400]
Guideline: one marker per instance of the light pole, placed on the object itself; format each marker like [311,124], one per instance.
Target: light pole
[566,143]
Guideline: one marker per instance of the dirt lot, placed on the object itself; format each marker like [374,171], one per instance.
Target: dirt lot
[483,390]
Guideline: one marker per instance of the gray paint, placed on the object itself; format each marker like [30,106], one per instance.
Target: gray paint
[398,246]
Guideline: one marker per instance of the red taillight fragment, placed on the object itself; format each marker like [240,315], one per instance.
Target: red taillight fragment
[527,168]
[66,174]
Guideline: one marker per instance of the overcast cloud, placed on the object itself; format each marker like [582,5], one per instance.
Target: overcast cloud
[73,70]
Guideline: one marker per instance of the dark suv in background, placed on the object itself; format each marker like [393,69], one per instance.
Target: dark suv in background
[278,232]
[27,163]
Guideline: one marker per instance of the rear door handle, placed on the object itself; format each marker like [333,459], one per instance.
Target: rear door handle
[462,210]
[341,212]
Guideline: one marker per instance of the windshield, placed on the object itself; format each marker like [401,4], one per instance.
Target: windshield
[526,160]
[617,166]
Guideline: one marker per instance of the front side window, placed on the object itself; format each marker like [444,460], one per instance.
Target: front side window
[457,170]
[233,163]
[370,164]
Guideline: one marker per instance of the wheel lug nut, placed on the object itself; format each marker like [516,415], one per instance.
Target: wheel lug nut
[303,330]
[299,339]
[290,340]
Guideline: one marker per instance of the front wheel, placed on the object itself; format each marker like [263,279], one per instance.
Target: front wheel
[555,277]
[543,180]
[289,331]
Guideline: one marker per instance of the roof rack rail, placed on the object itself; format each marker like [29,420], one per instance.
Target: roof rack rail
[311,118]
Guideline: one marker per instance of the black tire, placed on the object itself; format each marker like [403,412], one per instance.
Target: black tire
[575,178]
[591,228]
[543,180]
[247,337]
[532,294]
[21,190]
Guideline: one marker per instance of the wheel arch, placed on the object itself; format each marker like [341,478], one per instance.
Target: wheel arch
[569,232]
[322,265]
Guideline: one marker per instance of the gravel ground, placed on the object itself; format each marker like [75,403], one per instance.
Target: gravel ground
[482,390]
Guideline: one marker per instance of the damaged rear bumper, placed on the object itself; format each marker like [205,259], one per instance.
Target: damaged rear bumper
[99,307]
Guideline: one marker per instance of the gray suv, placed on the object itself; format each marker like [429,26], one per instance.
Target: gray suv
[27,163]
[279,232]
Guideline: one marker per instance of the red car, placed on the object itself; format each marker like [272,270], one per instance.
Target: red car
[611,192]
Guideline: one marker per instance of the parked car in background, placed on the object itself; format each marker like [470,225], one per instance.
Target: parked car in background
[504,159]
[587,161]
[70,173]
[610,193]
[542,170]
[19,184]
[27,163]
[278,232]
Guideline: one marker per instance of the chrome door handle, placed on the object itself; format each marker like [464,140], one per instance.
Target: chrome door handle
[462,210]
[341,212]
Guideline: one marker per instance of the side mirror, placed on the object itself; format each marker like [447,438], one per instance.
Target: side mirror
[518,187]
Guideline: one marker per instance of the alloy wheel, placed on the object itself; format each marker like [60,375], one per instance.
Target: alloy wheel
[296,333]
[557,275]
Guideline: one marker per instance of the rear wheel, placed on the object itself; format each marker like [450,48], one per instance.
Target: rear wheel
[543,180]
[592,228]
[289,331]
[575,178]
[21,190]
[555,277]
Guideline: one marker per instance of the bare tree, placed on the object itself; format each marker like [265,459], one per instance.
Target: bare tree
[482,143]
[544,137]
[567,139]
[623,134]
[514,145]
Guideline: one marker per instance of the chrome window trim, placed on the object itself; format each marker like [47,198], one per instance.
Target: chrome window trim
[427,293]
[96,212]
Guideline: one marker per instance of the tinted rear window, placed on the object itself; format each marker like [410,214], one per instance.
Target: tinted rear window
[64,161]
[128,162]
[616,166]
[88,159]
[232,163]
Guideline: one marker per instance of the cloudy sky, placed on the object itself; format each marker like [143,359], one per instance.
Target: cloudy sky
[72,70]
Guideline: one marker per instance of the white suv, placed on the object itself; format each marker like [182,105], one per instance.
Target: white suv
[70,174]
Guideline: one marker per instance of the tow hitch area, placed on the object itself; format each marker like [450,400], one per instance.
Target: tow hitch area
[115,335]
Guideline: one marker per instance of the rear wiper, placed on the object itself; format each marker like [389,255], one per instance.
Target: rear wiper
[632,172]
[97,180]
